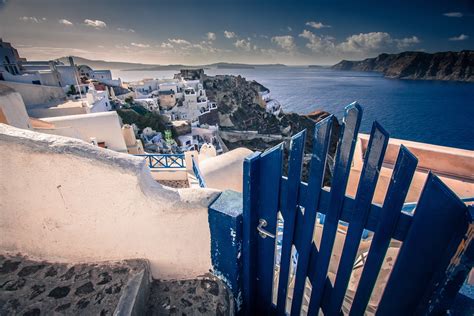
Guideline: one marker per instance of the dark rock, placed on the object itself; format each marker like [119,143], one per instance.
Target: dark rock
[63,307]
[25,271]
[186,303]
[455,66]
[105,278]
[37,289]
[211,286]
[52,271]
[9,266]
[82,303]
[59,292]
[85,289]
[33,312]
[14,285]
[114,289]
[69,274]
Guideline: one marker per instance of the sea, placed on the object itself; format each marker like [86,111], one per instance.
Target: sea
[434,112]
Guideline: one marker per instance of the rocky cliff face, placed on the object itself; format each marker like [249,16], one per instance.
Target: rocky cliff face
[455,66]
[241,109]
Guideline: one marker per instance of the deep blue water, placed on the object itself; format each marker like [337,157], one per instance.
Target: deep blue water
[434,112]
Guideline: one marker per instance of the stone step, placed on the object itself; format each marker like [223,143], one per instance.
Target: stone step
[206,295]
[106,288]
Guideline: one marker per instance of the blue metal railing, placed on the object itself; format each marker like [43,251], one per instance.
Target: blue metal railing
[167,161]
[198,174]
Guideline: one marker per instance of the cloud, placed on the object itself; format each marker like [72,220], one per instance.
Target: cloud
[289,28]
[121,29]
[286,42]
[317,25]
[179,41]
[32,19]
[229,34]
[461,37]
[211,36]
[358,44]
[141,45]
[322,44]
[453,14]
[243,44]
[95,23]
[407,42]
[66,22]
[166,45]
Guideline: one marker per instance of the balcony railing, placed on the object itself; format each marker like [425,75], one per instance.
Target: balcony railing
[167,161]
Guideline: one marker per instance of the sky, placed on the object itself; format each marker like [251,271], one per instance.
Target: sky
[261,31]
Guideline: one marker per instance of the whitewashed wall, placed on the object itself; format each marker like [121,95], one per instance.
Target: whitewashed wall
[64,200]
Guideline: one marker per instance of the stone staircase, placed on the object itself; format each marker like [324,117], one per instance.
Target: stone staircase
[30,287]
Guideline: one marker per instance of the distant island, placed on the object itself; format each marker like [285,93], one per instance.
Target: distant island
[453,66]
[124,66]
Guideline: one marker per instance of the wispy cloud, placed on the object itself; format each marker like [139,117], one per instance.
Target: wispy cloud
[243,44]
[32,19]
[317,25]
[66,22]
[286,42]
[98,24]
[179,41]
[166,45]
[121,29]
[229,34]
[319,44]
[407,42]
[211,36]
[140,45]
[453,14]
[461,37]
[357,44]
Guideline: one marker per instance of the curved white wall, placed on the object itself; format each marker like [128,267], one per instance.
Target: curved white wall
[104,126]
[62,199]
[225,172]
[13,108]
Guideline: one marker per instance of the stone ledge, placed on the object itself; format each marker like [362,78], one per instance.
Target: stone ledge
[39,287]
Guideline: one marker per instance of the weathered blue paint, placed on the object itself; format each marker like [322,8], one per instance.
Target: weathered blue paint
[198,174]
[225,224]
[267,208]
[342,167]
[455,274]
[288,211]
[249,233]
[437,250]
[305,226]
[167,161]
[365,191]
[396,194]
[439,224]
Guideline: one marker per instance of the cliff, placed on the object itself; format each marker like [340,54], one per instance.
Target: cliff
[453,66]
[241,110]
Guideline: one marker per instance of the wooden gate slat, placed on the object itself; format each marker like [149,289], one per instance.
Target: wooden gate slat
[249,234]
[288,210]
[322,136]
[342,168]
[399,234]
[267,209]
[439,223]
[398,188]
[365,191]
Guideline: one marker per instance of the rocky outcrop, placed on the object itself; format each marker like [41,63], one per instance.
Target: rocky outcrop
[242,109]
[454,66]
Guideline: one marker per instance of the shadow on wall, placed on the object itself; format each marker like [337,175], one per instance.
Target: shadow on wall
[81,203]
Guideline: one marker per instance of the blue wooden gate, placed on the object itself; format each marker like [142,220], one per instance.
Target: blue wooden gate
[271,256]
